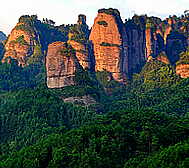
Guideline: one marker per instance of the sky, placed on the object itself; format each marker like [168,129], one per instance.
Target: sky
[67,11]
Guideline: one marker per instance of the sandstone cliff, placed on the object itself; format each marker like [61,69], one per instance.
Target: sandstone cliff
[20,45]
[151,42]
[117,47]
[61,64]
[107,42]
[134,46]
[120,48]
[29,39]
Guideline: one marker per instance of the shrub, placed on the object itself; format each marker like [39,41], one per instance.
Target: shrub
[105,44]
[20,40]
[104,23]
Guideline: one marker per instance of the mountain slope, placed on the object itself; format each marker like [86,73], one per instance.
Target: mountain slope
[2,36]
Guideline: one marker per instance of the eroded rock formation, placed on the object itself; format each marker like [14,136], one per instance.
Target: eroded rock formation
[20,45]
[107,42]
[61,65]
[183,70]
[117,47]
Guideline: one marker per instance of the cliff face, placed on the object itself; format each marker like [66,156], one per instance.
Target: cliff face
[78,39]
[60,65]
[134,48]
[81,54]
[151,42]
[16,32]
[111,45]
[182,66]
[107,42]
[118,48]
[29,40]
[20,45]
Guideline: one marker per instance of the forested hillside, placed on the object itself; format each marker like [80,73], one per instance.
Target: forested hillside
[117,139]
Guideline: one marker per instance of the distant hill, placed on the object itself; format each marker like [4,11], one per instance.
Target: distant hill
[2,36]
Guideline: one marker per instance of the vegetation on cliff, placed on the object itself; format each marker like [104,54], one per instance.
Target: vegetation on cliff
[109,11]
[20,40]
[79,33]
[84,85]
[184,58]
[68,52]
[104,23]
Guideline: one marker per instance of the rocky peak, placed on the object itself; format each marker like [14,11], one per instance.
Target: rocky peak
[29,40]
[81,20]
[22,40]
[78,39]
[20,45]
[107,42]
[121,47]
[117,47]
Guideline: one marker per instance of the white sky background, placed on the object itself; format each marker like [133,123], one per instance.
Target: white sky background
[67,11]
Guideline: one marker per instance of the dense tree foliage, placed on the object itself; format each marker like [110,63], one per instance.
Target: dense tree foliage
[109,143]
[80,33]
[32,114]
[13,77]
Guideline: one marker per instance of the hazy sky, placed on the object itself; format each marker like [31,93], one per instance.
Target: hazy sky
[67,11]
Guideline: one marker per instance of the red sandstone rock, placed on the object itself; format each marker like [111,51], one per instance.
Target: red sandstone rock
[107,56]
[183,70]
[162,58]
[19,51]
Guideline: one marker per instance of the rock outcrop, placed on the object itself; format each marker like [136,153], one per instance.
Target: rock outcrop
[78,39]
[20,45]
[107,41]
[163,59]
[151,42]
[81,54]
[29,40]
[84,100]
[117,48]
[61,65]
[183,70]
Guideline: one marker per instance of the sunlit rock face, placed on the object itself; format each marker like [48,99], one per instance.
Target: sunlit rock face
[183,70]
[116,48]
[20,45]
